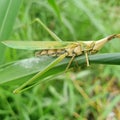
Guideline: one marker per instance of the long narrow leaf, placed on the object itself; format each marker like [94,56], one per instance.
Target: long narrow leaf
[55,7]
[26,67]
[8,13]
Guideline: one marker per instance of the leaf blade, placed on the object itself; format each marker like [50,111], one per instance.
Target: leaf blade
[30,66]
[9,12]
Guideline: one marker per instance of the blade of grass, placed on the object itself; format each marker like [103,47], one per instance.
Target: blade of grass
[55,7]
[7,17]
[108,108]
[8,13]
[97,23]
[27,67]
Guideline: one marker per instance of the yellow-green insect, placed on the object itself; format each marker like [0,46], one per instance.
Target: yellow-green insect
[58,48]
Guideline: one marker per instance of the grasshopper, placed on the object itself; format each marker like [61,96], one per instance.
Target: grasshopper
[58,48]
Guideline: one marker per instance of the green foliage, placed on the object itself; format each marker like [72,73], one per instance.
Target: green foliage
[8,14]
[90,93]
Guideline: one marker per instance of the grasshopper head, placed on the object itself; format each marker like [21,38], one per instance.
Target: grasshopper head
[100,43]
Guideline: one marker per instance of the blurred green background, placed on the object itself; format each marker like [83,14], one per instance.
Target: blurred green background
[88,94]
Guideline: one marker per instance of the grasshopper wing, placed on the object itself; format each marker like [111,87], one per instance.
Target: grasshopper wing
[36,45]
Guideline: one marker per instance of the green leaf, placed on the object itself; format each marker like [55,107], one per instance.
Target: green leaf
[96,22]
[13,72]
[109,107]
[55,7]
[8,13]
